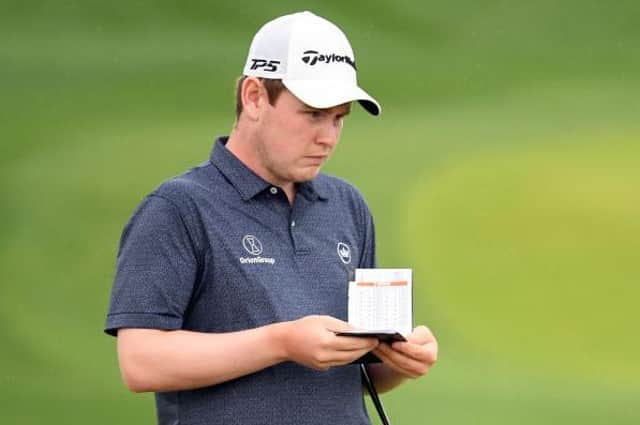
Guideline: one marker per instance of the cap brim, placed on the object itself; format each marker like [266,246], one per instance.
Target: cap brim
[327,94]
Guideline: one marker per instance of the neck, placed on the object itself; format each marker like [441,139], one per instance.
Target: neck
[241,147]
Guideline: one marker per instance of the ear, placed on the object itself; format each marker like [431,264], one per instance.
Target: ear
[253,94]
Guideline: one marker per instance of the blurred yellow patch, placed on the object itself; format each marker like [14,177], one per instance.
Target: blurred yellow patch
[532,256]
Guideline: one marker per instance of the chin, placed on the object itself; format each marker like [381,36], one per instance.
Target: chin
[306,176]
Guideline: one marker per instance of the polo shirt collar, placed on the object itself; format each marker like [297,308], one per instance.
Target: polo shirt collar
[311,191]
[248,183]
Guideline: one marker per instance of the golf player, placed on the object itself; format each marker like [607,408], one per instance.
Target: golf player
[231,278]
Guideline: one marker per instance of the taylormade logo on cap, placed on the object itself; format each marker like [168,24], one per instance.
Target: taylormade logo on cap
[266,65]
[312,57]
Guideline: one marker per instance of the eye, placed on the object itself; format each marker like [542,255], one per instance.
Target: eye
[315,115]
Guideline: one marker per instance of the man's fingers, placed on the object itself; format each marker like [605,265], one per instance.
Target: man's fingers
[411,366]
[382,355]
[426,352]
[344,357]
[352,343]
[338,358]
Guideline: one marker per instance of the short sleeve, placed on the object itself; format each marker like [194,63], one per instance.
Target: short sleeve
[156,269]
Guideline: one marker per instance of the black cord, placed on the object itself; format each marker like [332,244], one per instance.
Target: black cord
[374,395]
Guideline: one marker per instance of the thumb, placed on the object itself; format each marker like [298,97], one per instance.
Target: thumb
[421,335]
[334,324]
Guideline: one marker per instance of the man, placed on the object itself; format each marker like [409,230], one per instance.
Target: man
[229,284]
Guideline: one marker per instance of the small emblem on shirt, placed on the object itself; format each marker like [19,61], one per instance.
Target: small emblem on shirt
[253,246]
[344,252]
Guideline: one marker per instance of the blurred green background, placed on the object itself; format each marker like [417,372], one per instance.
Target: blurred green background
[505,169]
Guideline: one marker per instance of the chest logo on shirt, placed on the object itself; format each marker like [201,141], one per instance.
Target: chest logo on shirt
[344,252]
[253,246]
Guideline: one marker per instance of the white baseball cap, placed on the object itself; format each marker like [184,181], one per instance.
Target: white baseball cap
[312,57]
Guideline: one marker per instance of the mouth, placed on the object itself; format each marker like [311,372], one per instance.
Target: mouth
[316,159]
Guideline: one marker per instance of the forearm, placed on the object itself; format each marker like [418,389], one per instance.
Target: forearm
[157,360]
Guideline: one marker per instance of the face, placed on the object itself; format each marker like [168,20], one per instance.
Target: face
[295,140]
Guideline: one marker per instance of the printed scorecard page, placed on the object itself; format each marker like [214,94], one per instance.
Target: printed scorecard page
[380,300]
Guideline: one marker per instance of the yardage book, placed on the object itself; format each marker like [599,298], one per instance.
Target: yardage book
[380,303]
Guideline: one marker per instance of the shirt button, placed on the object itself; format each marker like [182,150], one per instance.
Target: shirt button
[273,190]
[293,223]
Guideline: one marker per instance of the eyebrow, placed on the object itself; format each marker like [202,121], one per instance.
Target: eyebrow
[325,110]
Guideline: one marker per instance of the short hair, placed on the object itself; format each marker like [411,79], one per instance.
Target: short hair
[274,89]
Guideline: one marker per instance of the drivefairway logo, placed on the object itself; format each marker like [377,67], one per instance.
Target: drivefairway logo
[253,246]
[312,57]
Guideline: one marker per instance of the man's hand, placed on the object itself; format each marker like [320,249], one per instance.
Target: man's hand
[413,358]
[311,341]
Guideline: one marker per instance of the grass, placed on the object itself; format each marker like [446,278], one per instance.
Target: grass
[504,169]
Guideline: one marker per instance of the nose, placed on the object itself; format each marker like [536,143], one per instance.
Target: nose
[329,134]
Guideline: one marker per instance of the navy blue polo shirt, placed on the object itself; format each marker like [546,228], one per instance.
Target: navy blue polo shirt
[219,249]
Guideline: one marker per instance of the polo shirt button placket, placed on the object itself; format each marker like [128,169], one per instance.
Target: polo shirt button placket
[292,225]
